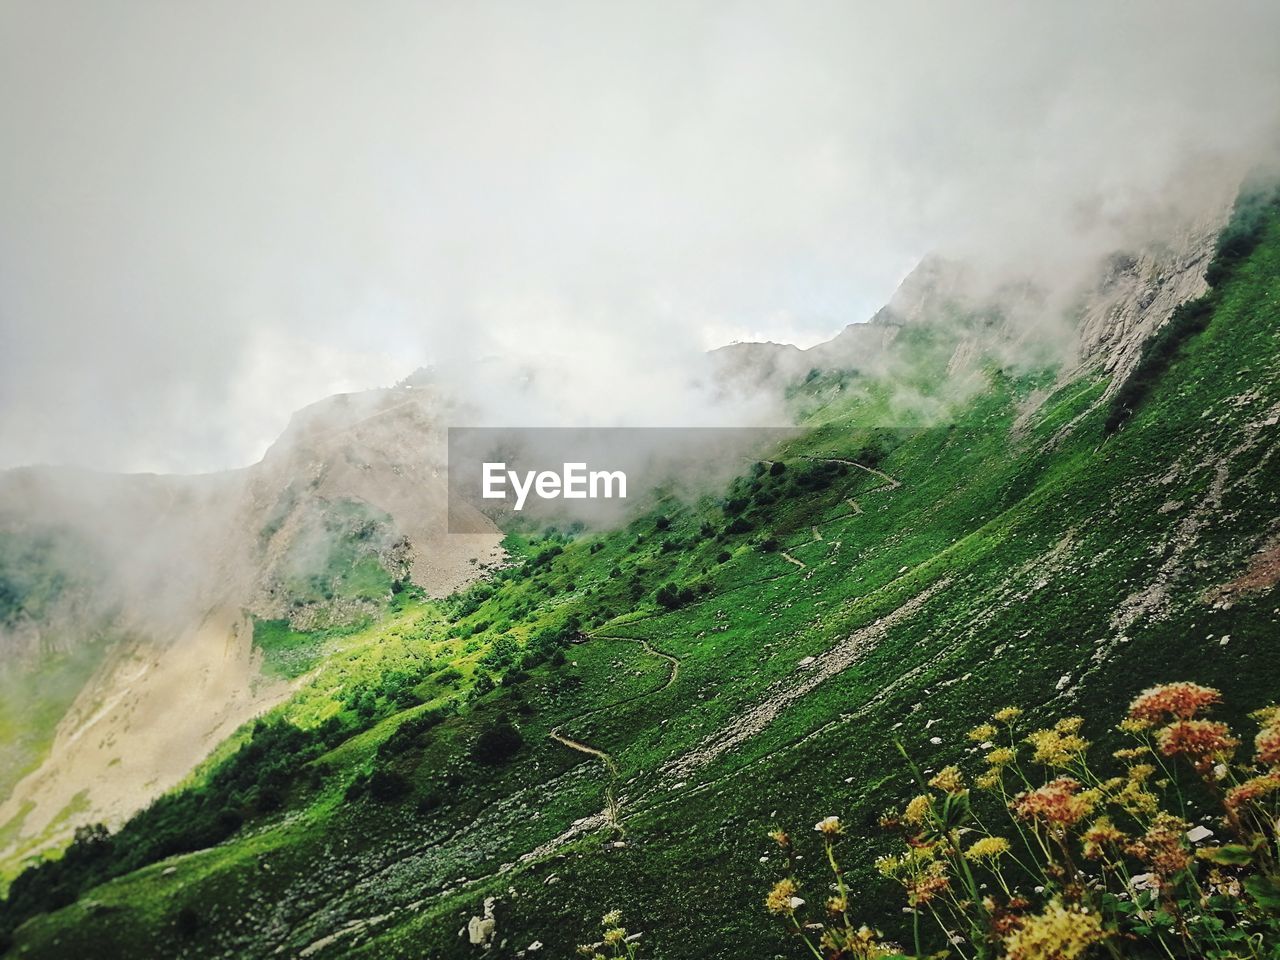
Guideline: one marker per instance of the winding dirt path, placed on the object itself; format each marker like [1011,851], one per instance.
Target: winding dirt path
[611,810]
[893,482]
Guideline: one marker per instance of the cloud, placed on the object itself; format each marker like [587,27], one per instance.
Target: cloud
[210,213]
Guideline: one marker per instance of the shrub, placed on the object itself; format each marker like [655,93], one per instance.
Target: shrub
[386,786]
[498,744]
[448,677]
[411,734]
[671,596]
[668,595]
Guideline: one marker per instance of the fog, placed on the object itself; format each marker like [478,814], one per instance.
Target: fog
[213,214]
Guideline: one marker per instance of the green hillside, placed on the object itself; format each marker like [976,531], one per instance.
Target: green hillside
[618,719]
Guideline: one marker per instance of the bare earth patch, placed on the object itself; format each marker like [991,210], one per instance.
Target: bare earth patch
[1263,573]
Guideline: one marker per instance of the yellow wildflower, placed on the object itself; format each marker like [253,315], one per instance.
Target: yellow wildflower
[949,780]
[1061,933]
[917,809]
[1056,748]
[988,848]
[923,853]
[888,865]
[782,898]
[1131,753]
[1267,744]
[982,732]
[829,827]
[1007,714]
[1001,757]
[1265,716]
[1069,725]
[1135,800]
[990,780]
[615,936]
[1140,773]
[1099,835]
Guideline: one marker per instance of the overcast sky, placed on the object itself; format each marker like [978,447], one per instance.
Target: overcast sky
[212,213]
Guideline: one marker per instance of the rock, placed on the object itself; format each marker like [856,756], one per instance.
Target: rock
[1196,834]
[480,930]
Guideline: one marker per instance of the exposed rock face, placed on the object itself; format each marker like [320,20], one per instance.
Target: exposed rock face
[1138,292]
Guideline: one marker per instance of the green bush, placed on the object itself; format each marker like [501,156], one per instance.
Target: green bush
[498,744]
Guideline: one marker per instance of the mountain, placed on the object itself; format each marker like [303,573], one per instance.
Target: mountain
[993,501]
[141,657]
[1123,301]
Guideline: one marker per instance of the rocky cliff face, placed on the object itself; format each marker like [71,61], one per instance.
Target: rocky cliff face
[1138,292]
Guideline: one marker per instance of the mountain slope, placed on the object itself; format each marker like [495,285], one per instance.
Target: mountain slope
[575,735]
